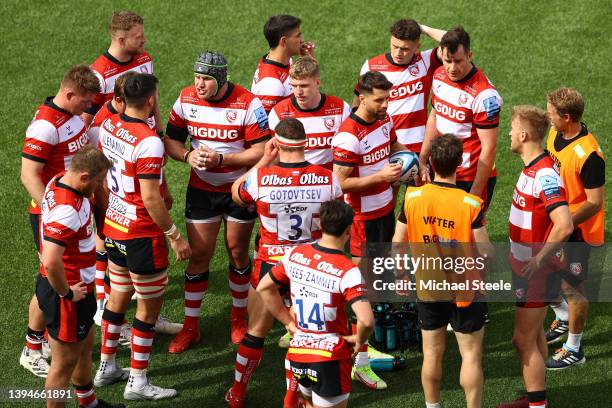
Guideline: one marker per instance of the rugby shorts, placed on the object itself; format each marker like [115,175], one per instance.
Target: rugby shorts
[142,256]
[367,232]
[65,320]
[326,378]
[435,315]
[487,192]
[576,254]
[207,207]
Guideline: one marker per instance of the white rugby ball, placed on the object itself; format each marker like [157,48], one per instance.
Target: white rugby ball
[410,165]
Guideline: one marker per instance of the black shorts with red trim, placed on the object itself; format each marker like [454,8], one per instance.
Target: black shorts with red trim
[539,291]
[435,315]
[261,269]
[35,224]
[142,256]
[487,192]
[203,205]
[327,378]
[65,320]
[576,253]
[376,231]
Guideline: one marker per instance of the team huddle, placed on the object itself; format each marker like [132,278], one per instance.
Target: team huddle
[316,173]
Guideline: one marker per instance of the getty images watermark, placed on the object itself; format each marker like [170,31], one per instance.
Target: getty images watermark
[473,272]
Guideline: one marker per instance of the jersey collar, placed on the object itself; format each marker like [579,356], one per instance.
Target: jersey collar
[537,159]
[228,92]
[390,60]
[265,60]
[114,60]
[442,184]
[130,119]
[316,108]
[59,184]
[293,165]
[326,250]
[49,102]
[468,76]
[357,119]
[111,108]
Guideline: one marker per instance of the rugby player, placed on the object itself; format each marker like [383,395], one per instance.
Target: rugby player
[65,286]
[322,282]
[113,107]
[540,221]
[466,104]
[410,71]
[288,198]
[53,137]
[320,114]
[582,167]
[271,78]
[226,125]
[136,225]
[361,150]
[466,312]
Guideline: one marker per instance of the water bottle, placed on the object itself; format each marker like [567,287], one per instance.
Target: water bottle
[389,330]
[388,364]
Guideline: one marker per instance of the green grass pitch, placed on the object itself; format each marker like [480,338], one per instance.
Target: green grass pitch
[525,47]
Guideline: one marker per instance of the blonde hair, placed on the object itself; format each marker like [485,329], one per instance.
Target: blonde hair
[124,21]
[535,118]
[567,101]
[305,67]
[81,79]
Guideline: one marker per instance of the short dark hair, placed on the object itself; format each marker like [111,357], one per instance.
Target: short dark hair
[293,129]
[446,154]
[139,88]
[373,80]
[455,37]
[406,29]
[279,26]
[120,82]
[336,216]
[91,160]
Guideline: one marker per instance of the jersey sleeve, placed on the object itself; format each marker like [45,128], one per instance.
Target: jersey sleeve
[336,189]
[352,286]
[345,148]
[430,57]
[279,272]
[248,190]
[273,121]
[98,100]
[593,172]
[256,127]
[270,91]
[60,225]
[346,111]
[93,133]
[149,158]
[486,109]
[364,68]
[548,185]
[176,129]
[41,137]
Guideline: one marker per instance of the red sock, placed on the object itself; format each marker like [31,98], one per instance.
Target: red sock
[239,286]
[142,343]
[34,339]
[86,395]
[111,330]
[101,265]
[248,357]
[292,394]
[195,288]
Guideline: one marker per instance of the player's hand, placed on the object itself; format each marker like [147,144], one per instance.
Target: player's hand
[354,340]
[209,157]
[195,159]
[402,281]
[308,48]
[270,153]
[391,172]
[291,328]
[532,266]
[423,174]
[79,291]
[181,249]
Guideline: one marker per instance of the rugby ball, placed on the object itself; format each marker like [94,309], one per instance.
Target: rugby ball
[410,165]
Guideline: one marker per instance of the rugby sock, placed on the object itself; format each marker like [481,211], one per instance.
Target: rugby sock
[86,395]
[537,399]
[34,339]
[292,395]
[561,310]
[239,285]
[433,405]
[573,341]
[142,343]
[196,286]
[248,357]
[101,265]
[111,330]
[362,358]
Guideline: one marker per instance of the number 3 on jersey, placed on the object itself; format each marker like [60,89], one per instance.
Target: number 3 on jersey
[115,176]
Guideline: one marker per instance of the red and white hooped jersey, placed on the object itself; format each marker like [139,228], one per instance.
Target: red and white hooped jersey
[137,152]
[409,95]
[463,107]
[320,124]
[366,148]
[66,220]
[271,82]
[539,190]
[322,282]
[107,68]
[230,125]
[52,138]
[93,132]
[288,197]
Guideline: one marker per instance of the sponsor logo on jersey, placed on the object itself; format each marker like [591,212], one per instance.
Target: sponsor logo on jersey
[212,133]
[414,70]
[78,143]
[491,107]
[406,90]
[550,187]
[315,142]
[329,123]
[575,268]
[262,118]
[463,98]
[448,111]
[376,155]
[231,115]
[518,199]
